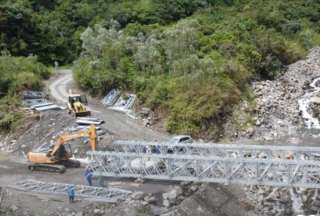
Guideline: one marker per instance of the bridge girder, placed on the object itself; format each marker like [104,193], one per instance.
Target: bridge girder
[235,169]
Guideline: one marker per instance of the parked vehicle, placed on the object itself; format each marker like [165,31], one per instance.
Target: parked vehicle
[176,140]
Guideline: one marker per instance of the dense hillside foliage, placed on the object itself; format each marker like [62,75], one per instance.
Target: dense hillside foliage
[17,74]
[194,70]
[191,60]
[51,29]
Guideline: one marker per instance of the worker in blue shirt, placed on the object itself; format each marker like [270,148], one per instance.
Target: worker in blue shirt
[88,175]
[71,193]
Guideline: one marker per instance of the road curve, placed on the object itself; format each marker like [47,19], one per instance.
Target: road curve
[118,123]
[58,88]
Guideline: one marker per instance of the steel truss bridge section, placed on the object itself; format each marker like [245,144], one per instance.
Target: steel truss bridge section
[219,150]
[111,195]
[197,168]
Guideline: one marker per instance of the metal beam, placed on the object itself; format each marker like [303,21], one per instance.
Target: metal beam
[220,150]
[96,193]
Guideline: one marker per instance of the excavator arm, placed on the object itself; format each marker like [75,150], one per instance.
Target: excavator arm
[64,138]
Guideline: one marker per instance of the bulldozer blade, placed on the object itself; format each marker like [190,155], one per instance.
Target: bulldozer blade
[85,113]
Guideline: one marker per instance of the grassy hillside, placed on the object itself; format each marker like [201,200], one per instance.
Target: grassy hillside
[17,74]
[198,66]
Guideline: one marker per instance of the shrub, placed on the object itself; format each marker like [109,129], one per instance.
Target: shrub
[17,74]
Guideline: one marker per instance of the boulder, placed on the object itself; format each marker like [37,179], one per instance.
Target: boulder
[13,208]
[137,195]
[166,203]
[172,195]
[150,199]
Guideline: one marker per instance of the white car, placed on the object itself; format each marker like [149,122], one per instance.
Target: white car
[181,139]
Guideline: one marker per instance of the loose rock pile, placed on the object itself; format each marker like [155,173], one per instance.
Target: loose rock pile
[284,201]
[212,199]
[278,115]
[270,201]
[277,101]
[170,198]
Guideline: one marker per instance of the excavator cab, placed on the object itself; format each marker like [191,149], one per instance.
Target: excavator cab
[76,105]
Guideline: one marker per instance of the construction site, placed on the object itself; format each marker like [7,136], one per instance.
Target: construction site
[159,108]
[139,170]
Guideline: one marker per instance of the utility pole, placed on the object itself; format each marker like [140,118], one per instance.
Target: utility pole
[39,130]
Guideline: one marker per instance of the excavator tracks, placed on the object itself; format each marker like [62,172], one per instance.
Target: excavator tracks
[47,168]
[55,168]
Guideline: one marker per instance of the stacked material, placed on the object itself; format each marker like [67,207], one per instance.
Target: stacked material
[124,104]
[35,100]
[120,102]
[111,98]
[89,121]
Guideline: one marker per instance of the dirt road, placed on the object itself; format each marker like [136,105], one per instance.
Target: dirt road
[119,124]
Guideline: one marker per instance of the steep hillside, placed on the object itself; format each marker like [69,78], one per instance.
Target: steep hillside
[194,70]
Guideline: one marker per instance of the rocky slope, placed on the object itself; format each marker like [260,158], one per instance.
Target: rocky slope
[285,108]
[277,102]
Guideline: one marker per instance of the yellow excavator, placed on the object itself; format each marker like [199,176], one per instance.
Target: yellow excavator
[57,158]
[76,105]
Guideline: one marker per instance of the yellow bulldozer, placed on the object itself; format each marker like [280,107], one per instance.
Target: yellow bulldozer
[58,158]
[76,105]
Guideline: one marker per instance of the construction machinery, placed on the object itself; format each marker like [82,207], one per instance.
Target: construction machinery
[76,105]
[57,158]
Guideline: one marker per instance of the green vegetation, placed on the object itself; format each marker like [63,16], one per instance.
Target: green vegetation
[190,59]
[17,74]
[197,67]
[51,29]
[144,212]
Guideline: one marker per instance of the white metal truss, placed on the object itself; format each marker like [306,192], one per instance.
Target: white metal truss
[224,164]
[96,193]
[219,150]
